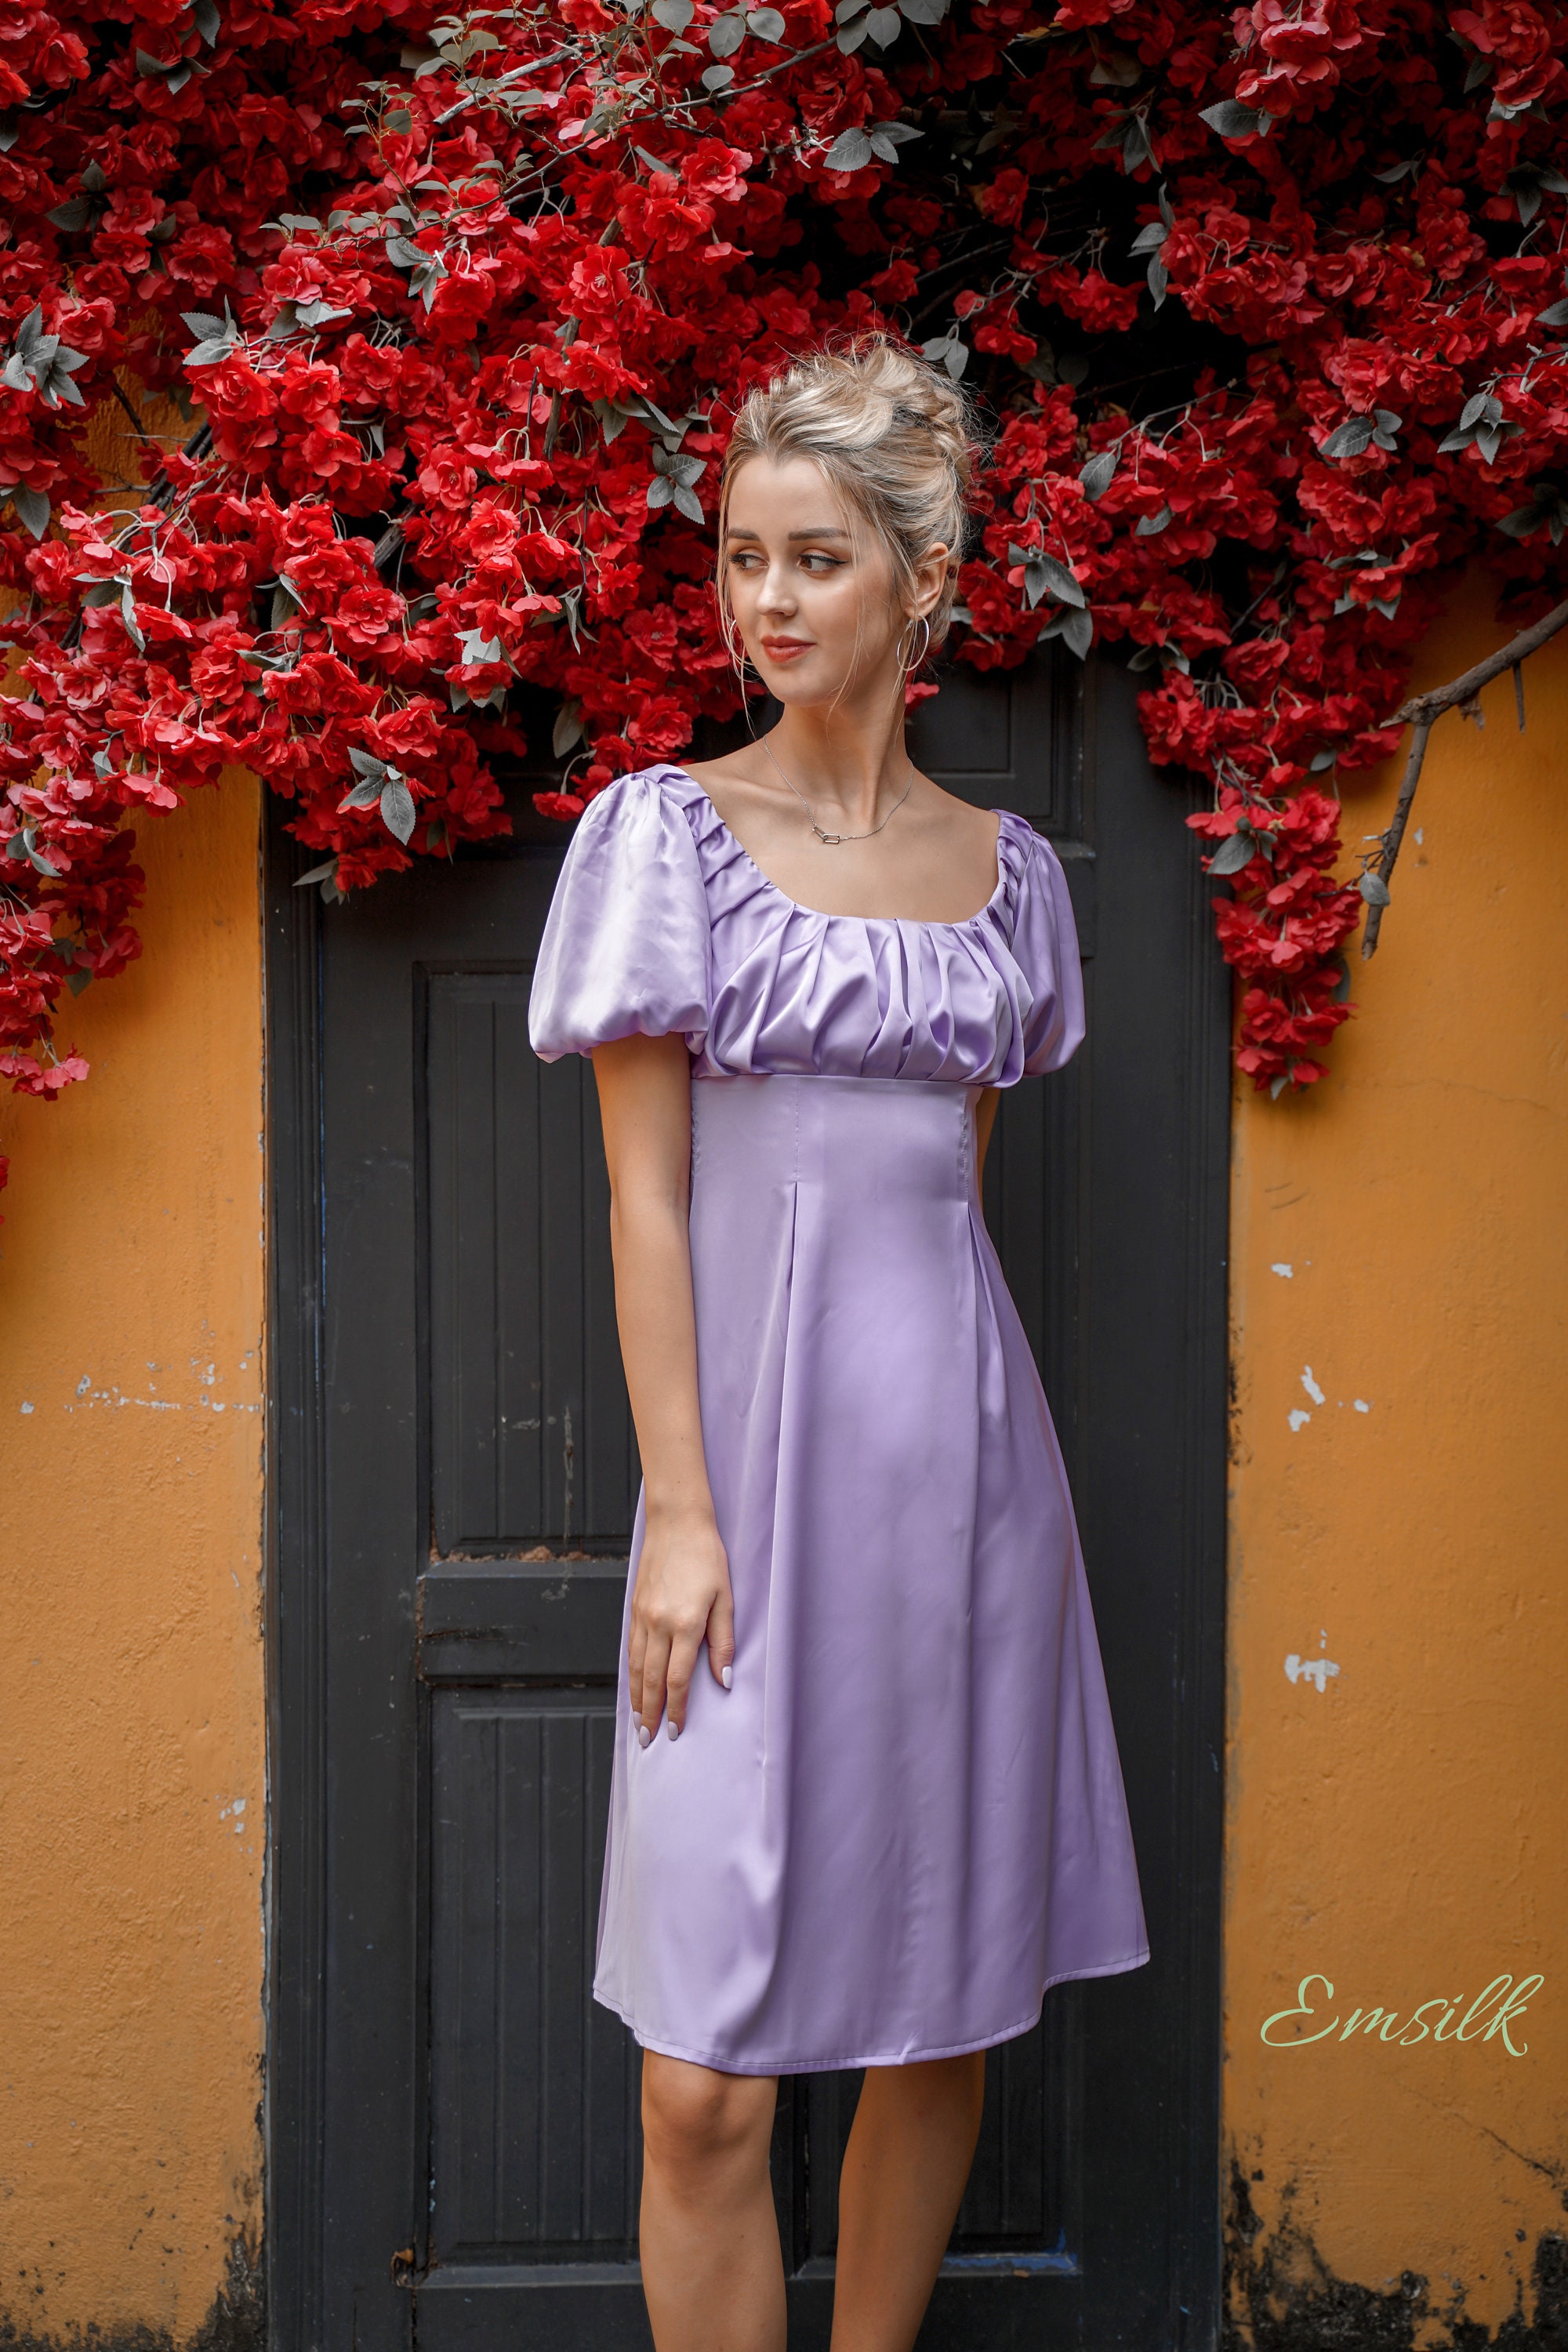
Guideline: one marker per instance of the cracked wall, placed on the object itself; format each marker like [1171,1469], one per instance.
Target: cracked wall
[1398,1743]
[131,1667]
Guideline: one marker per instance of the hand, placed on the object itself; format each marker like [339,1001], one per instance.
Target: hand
[682,1593]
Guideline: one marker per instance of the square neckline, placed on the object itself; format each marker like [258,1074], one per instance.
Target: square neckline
[821,914]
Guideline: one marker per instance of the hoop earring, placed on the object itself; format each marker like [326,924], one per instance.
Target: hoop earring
[910,665]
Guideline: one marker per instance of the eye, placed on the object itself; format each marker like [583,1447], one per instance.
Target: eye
[818,562]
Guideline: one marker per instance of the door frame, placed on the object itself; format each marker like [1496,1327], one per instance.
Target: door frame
[1171,2142]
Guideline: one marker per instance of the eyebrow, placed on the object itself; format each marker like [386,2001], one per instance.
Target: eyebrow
[826,530]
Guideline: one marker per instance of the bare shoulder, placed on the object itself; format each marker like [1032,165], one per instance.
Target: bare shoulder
[958,821]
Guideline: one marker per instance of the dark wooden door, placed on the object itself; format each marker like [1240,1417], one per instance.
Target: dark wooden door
[454,2152]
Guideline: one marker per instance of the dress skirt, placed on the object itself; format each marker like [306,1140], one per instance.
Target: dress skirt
[906,1818]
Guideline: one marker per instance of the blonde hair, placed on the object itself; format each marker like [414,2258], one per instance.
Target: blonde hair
[892,434]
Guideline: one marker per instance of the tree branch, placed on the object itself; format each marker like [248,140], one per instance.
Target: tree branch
[1420,713]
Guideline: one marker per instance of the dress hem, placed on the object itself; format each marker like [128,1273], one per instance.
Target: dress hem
[904,2058]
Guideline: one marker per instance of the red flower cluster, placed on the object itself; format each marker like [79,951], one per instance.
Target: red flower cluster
[1268,308]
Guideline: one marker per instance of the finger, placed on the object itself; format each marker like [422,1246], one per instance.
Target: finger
[678,1677]
[655,1664]
[637,1651]
[722,1636]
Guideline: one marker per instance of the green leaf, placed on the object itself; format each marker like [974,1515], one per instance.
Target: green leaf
[726,32]
[850,152]
[32,509]
[1078,633]
[568,729]
[1136,148]
[673,15]
[326,872]
[1373,888]
[1237,850]
[887,138]
[74,214]
[766,24]
[884,24]
[363,795]
[1049,576]
[1234,120]
[1099,472]
[1351,440]
[947,352]
[1557,316]
[1150,526]
[397,810]
[922,12]
[206,20]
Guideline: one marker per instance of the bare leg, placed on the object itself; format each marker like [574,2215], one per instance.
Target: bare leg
[904,2170]
[713,2269]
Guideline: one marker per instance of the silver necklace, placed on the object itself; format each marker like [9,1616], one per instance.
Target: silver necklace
[833,840]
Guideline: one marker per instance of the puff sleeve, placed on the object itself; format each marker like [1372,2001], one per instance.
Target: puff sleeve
[1045,949]
[627,945]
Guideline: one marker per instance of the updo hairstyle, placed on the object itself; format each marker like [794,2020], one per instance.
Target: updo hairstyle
[893,434]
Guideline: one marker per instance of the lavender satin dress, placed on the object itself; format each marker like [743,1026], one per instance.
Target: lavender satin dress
[906,1818]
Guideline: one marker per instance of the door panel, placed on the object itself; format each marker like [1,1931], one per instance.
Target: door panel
[454,2140]
[532,1434]
[534,2150]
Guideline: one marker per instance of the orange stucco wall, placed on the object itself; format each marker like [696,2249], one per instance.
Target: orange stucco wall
[1399,1508]
[131,1664]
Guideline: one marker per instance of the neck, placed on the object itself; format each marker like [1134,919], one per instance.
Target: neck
[848,760]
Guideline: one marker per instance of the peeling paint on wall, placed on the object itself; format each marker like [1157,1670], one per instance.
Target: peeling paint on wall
[1281,2296]
[236,2321]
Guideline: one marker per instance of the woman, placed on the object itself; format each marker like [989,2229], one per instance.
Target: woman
[890,1811]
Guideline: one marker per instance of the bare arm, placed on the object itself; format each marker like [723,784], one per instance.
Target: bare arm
[682,1593]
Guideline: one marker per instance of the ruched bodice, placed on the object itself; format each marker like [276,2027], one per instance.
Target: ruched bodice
[662,922]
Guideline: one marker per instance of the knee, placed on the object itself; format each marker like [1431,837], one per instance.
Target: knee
[945,2093]
[697,2120]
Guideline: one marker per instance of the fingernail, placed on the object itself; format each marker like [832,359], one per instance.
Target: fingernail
[636,1719]
[644,1735]
[724,1676]
[674,1729]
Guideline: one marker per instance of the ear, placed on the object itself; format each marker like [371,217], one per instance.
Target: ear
[930,578]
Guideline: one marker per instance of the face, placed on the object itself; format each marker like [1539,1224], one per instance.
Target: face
[805,584]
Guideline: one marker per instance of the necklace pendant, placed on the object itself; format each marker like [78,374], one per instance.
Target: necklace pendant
[831,839]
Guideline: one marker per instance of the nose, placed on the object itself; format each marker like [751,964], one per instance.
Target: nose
[778,594]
